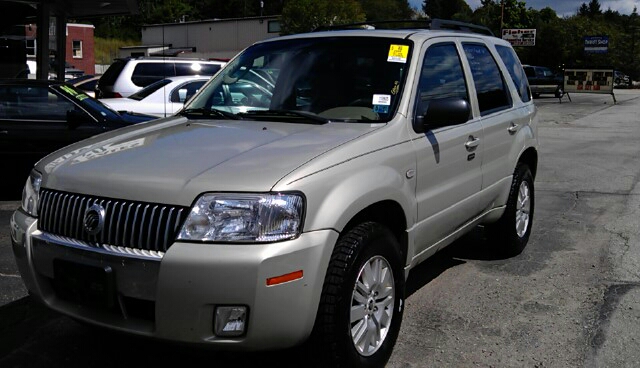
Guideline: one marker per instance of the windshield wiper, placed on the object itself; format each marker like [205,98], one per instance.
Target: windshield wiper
[207,112]
[309,116]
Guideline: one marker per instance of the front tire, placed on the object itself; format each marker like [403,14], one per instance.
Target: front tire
[361,305]
[511,233]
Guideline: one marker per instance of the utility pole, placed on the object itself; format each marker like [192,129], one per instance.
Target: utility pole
[501,15]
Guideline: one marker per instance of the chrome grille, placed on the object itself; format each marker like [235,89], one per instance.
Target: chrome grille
[129,224]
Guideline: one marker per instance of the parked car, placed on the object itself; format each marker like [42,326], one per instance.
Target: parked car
[543,80]
[86,83]
[39,117]
[127,76]
[620,79]
[301,215]
[162,98]
[70,71]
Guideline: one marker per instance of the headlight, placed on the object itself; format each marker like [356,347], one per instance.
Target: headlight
[244,218]
[31,193]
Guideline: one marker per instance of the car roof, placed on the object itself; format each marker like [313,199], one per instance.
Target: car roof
[159,59]
[416,34]
[188,78]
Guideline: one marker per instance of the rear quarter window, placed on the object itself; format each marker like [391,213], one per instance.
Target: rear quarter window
[516,72]
[111,74]
[146,73]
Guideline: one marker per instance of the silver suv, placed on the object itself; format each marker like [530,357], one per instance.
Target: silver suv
[292,196]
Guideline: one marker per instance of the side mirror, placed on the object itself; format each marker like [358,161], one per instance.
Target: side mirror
[182,95]
[76,118]
[443,112]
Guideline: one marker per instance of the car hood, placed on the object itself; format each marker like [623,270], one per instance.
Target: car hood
[174,160]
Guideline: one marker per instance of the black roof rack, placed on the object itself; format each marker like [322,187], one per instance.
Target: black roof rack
[432,24]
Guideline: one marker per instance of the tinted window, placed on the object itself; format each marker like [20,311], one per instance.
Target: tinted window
[441,77]
[90,104]
[196,69]
[146,73]
[529,71]
[491,89]
[109,77]
[33,103]
[514,67]
[146,91]
[89,86]
[190,89]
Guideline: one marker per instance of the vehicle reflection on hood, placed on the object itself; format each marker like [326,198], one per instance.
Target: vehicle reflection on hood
[85,154]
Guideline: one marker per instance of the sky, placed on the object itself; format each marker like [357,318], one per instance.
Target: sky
[562,7]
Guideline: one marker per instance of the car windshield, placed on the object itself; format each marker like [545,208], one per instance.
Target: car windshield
[336,79]
[87,102]
[146,91]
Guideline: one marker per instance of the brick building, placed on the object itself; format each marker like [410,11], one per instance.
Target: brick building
[79,46]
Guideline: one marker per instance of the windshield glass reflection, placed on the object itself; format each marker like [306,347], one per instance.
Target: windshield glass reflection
[341,78]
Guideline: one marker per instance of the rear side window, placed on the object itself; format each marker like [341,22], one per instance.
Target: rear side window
[196,69]
[516,72]
[109,77]
[146,73]
[491,89]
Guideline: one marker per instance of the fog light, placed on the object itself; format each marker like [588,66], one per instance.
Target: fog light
[230,321]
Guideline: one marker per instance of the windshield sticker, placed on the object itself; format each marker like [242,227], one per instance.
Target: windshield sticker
[381,109]
[396,88]
[82,96]
[69,90]
[398,54]
[381,100]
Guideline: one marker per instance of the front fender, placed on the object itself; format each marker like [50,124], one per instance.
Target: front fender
[337,194]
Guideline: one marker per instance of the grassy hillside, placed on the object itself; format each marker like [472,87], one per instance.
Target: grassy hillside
[106,49]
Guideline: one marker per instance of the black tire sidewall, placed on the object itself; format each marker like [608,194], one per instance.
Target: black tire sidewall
[378,241]
[514,243]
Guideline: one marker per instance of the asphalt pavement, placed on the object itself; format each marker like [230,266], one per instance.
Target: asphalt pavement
[571,299]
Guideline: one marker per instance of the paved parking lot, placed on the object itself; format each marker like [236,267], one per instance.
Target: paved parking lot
[571,299]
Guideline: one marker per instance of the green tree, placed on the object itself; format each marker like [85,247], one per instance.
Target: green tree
[446,9]
[376,10]
[306,15]
[591,10]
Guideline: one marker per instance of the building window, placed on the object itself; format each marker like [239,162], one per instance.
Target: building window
[273,26]
[31,47]
[77,49]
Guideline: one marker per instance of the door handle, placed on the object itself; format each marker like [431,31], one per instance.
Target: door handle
[472,143]
[513,128]
[4,132]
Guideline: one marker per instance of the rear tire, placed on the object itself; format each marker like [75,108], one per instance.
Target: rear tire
[511,233]
[361,305]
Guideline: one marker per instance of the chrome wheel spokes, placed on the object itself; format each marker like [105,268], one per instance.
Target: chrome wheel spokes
[372,305]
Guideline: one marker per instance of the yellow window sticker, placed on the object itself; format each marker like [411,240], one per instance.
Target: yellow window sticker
[69,90]
[82,96]
[398,53]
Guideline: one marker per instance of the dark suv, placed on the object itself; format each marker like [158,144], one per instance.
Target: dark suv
[543,80]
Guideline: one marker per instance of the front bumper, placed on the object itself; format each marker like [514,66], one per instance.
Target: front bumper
[175,297]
